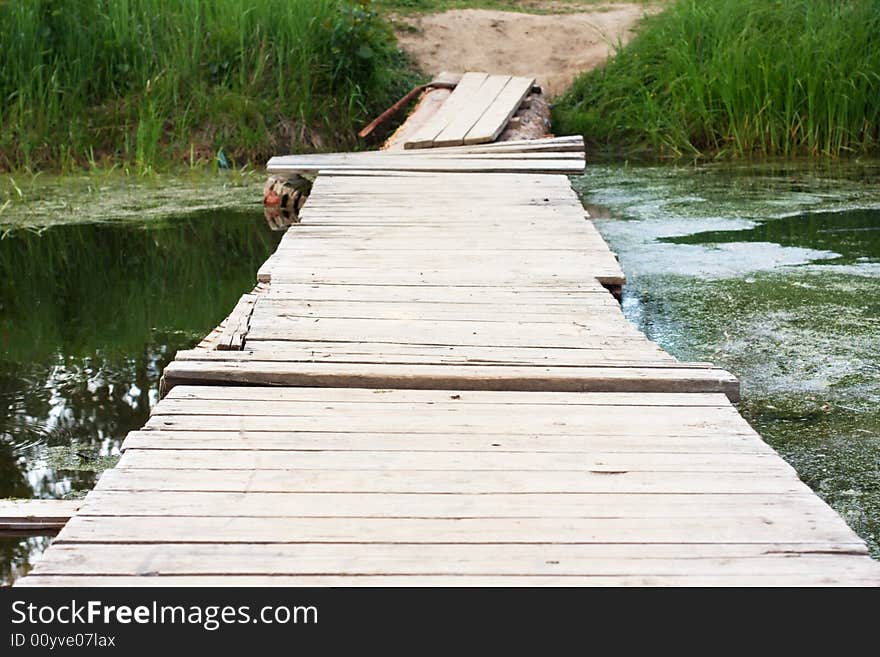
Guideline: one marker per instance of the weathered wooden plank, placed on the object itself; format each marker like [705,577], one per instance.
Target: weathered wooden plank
[432,154]
[437,294]
[304,166]
[527,402]
[404,422]
[262,478]
[496,116]
[370,559]
[513,147]
[621,354]
[468,85]
[808,532]
[448,405]
[233,335]
[600,305]
[825,577]
[455,377]
[472,111]
[553,144]
[450,505]
[731,443]
[282,273]
[273,325]
[614,469]
[35,515]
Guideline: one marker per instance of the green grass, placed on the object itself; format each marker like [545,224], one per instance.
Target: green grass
[737,78]
[153,82]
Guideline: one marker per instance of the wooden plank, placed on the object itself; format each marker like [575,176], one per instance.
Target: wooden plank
[437,294]
[496,116]
[368,403]
[614,470]
[466,87]
[432,154]
[826,578]
[281,326]
[448,405]
[472,111]
[35,515]
[304,166]
[562,144]
[622,355]
[729,443]
[369,559]
[433,277]
[600,305]
[808,532]
[321,397]
[405,422]
[233,335]
[446,505]
[455,377]
[420,482]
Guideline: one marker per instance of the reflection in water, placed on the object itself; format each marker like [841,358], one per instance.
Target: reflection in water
[851,236]
[16,555]
[774,273]
[90,314]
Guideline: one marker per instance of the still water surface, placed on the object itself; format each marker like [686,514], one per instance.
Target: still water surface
[90,314]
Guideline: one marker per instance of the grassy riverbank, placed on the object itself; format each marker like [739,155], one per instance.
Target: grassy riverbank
[155,83]
[737,78]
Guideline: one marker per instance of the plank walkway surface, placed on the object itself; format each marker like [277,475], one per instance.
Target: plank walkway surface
[476,111]
[432,385]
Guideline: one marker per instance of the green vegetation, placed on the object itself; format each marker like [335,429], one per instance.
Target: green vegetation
[37,201]
[737,78]
[154,82]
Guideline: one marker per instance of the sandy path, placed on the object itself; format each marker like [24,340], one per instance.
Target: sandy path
[552,48]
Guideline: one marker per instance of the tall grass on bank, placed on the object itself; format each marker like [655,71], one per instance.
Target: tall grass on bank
[737,78]
[144,81]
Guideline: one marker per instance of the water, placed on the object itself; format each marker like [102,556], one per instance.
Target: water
[90,314]
[773,272]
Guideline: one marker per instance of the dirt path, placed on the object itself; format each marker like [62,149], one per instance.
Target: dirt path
[551,47]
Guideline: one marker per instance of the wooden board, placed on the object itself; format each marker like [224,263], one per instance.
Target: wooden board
[496,116]
[473,111]
[485,560]
[305,165]
[469,84]
[236,325]
[762,580]
[476,112]
[454,377]
[35,515]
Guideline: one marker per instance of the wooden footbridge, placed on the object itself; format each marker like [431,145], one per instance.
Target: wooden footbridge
[433,384]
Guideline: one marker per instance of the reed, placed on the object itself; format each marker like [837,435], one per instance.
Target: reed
[148,82]
[737,78]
